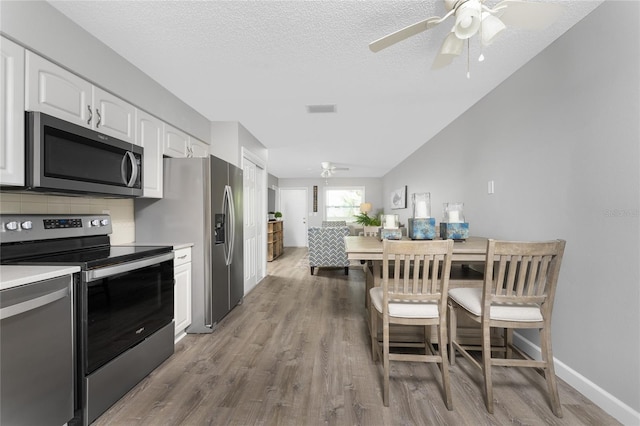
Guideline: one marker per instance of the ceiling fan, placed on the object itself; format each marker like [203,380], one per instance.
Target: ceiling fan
[329,169]
[474,17]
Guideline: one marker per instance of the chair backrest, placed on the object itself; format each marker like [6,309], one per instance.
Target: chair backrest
[370,231]
[420,271]
[522,273]
[333,223]
[326,246]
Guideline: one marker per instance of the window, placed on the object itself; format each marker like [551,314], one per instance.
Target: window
[342,203]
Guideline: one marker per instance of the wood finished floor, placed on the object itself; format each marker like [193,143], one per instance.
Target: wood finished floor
[296,352]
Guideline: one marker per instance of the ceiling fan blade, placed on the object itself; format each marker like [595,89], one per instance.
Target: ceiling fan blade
[451,47]
[411,30]
[442,60]
[527,15]
[339,168]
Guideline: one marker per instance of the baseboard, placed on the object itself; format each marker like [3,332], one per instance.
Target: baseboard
[603,399]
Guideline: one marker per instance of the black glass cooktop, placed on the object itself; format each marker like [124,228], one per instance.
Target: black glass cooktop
[100,257]
[88,253]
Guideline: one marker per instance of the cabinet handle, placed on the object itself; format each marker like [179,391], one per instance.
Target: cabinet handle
[182,257]
[90,114]
[99,118]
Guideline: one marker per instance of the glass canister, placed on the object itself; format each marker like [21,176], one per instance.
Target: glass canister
[421,205]
[390,221]
[453,213]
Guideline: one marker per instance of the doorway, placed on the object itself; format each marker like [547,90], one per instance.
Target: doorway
[293,205]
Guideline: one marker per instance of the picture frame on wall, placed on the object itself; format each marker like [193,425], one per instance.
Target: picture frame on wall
[399,198]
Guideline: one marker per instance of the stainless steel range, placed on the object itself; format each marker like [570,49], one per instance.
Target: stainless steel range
[123,300]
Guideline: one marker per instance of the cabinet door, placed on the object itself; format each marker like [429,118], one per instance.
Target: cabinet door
[149,135]
[11,113]
[113,116]
[182,297]
[176,142]
[55,91]
[198,148]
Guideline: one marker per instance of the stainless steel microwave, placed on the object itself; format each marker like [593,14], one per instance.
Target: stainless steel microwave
[62,157]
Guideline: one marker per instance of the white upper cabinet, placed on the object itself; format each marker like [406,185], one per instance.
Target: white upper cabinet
[198,148]
[150,135]
[55,91]
[11,113]
[176,142]
[113,116]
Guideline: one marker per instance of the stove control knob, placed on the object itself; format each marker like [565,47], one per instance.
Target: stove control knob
[12,226]
[104,222]
[95,222]
[27,225]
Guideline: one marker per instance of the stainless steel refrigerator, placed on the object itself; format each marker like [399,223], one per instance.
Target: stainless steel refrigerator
[202,204]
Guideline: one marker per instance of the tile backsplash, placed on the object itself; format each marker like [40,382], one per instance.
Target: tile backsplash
[120,209]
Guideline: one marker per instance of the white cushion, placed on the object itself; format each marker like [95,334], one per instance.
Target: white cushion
[471,300]
[404,309]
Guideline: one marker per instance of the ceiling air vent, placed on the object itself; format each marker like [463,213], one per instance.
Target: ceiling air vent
[317,109]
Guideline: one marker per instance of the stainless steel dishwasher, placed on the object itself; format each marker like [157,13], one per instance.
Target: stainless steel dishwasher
[36,353]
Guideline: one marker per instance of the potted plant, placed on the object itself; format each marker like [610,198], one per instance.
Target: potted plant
[365,220]
[278,215]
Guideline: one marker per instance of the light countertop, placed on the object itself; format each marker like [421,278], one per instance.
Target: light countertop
[176,246]
[16,275]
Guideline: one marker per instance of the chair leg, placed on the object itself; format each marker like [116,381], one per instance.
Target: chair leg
[373,331]
[312,268]
[549,371]
[453,324]
[385,360]
[446,383]
[508,342]
[486,366]
[346,270]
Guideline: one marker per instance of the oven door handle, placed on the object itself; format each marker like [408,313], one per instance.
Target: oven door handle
[97,274]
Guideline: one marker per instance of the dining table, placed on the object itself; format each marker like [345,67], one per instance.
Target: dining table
[467,270]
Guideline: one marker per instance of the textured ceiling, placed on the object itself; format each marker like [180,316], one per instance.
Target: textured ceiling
[261,63]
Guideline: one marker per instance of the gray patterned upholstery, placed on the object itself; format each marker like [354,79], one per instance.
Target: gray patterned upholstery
[333,223]
[326,247]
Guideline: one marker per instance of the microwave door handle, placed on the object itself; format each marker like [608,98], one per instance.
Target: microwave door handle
[134,169]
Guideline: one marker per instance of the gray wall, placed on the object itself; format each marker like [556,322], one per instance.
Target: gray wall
[560,138]
[42,29]
[373,192]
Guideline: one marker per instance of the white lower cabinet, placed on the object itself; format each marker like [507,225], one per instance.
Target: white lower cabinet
[182,292]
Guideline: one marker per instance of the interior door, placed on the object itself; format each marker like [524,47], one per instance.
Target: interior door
[294,208]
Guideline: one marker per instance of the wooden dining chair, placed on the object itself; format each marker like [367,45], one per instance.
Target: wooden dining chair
[370,231]
[416,294]
[517,293]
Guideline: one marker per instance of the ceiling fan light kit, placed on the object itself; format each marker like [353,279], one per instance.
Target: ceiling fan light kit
[474,17]
[468,18]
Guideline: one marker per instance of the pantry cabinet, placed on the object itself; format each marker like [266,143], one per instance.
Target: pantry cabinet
[11,113]
[55,91]
[182,292]
[150,136]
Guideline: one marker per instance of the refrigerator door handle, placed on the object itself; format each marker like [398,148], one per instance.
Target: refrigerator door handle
[229,224]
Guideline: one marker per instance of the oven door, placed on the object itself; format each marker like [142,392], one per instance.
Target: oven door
[123,305]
